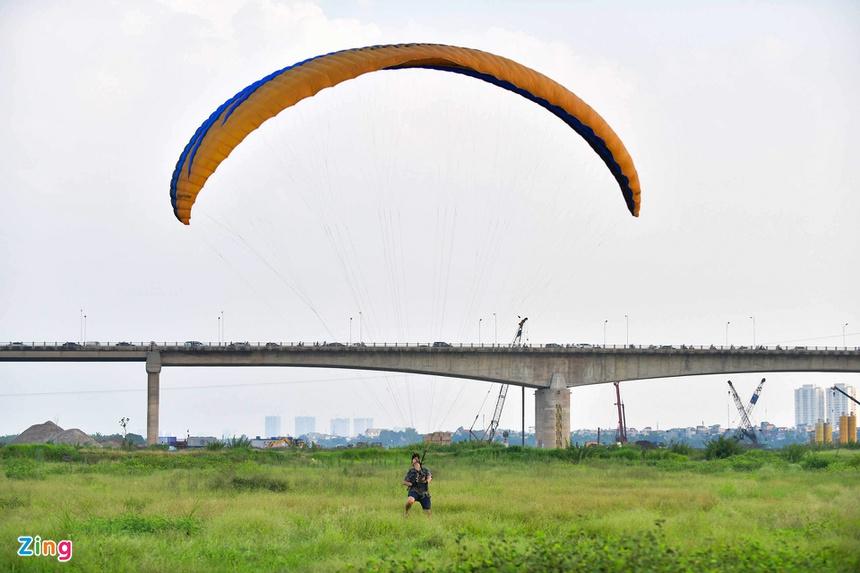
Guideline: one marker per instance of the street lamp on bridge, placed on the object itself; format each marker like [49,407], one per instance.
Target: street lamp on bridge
[843,335]
[480,322]
[626,330]
[752,318]
[728,322]
[604,332]
[495,330]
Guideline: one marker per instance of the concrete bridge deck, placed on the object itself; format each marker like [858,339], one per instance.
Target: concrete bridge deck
[551,368]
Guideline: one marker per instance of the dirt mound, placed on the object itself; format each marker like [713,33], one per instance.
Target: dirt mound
[49,432]
[38,434]
[74,437]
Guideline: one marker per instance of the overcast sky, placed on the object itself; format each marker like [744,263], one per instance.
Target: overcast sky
[426,201]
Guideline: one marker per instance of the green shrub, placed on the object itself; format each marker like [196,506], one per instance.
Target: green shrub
[137,524]
[242,441]
[722,448]
[216,445]
[813,462]
[42,452]
[680,448]
[24,469]
[259,482]
[793,453]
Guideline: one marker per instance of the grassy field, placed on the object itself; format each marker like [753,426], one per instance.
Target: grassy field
[493,509]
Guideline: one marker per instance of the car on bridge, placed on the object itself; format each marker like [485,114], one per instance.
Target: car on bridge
[71,345]
[272,345]
[123,344]
[239,346]
[16,345]
[334,345]
[552,345]
[440,344]
[193,344]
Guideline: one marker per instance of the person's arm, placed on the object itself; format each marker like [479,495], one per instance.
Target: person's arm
[406,480]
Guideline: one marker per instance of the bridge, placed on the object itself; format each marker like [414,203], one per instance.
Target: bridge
[550,369]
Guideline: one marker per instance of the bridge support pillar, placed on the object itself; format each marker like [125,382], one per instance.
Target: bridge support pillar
[552,414]
[153,370]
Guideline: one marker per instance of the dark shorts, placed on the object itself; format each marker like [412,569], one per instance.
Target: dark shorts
[422,498]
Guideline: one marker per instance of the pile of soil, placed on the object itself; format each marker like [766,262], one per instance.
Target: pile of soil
[49,432]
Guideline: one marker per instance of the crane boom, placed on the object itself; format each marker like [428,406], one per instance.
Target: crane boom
[490,432]
[754,399]
[746,428]
[847,395]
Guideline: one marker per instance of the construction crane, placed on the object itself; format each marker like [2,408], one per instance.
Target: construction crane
[847,395]
[490,431]
[621,432]
[746,428]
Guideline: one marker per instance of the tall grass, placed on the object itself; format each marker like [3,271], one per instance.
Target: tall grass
[607,509]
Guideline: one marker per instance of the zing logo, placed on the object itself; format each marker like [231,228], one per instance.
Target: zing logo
[38,547]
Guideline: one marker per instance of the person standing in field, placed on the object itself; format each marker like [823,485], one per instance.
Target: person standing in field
[418,480]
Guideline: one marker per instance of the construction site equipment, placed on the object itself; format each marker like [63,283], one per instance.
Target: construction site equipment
[819,433]
[852,429]
[828,433]
[490,431]
[847,395]
[843,430]
[621,432]
[745,429]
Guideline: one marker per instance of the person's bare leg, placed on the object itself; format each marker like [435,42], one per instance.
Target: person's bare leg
[409,502]
[427,512]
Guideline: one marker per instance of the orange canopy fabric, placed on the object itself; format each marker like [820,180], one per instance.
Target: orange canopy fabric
[266,98]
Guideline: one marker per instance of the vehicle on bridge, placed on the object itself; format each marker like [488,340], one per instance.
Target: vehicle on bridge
[272,345]
[193,344]
[71,345]
[239,346]
[123,344]
[440,344]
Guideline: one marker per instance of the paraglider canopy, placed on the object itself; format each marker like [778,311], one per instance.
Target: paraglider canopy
[228,125]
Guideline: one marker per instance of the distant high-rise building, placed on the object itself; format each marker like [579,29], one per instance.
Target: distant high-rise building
[305,425]
[273,426]
[838,404]
[340,427]
[360,425]
[809,405]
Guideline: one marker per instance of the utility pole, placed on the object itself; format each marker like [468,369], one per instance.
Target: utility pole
[752,318]
[360,338]
[843,334]
[627,330]
[604,332]
[350,331]
[495,330]
[480,321]
[219,330]
[727,332]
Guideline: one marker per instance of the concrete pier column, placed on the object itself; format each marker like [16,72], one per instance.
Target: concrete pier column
[153,370]
[552,414]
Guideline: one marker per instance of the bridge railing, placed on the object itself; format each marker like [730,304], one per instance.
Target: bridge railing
[435,346]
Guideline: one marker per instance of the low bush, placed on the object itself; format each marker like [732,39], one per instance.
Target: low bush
[24,468]
[722,448]
[794,453]
[813,462]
